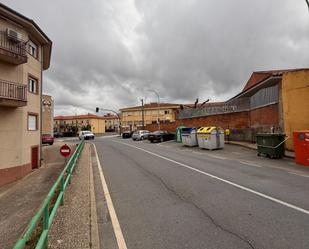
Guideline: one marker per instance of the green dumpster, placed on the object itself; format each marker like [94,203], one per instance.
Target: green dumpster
[178,133]
[270,144]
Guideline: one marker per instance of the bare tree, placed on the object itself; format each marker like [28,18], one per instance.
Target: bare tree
[307,1]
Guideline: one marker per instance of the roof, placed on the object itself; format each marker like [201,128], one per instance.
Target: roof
[85,116]
[152,106]
[259,76]
[32,28]
[109,116]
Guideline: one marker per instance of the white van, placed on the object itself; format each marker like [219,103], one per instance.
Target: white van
[86,135]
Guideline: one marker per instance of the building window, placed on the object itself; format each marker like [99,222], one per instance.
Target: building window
[33,49]
[32,85]
[166,112]
[32,122]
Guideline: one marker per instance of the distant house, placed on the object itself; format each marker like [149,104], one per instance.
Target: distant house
[47,115]
[131,117]
[74,124]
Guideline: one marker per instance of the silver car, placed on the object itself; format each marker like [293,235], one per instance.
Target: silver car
[140,135]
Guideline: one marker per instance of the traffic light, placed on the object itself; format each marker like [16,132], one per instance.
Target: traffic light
[97,109]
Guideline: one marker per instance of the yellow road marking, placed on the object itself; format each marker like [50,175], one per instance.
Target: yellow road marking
[115,222]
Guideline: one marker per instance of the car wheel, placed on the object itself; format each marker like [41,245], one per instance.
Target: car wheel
[161,139]
[51,143]
[142,138]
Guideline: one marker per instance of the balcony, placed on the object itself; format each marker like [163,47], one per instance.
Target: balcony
[12,51]
[12,94]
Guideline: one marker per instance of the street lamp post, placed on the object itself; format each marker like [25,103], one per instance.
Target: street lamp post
[97,109]
[158,96]
[143,116]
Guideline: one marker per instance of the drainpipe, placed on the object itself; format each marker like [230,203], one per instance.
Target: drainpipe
[41,109]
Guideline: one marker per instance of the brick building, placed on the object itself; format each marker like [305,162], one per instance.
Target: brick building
[275,100]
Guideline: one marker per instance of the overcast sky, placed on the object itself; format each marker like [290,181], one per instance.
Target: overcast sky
[108,53]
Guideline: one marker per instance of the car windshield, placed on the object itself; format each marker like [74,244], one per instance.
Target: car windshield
[86,132]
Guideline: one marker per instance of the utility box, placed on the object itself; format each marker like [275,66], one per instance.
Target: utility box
[178,133]
[301,147]
[188,137]
[210,137]
[270,144]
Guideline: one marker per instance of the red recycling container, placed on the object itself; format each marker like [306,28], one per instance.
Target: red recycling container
[301,147]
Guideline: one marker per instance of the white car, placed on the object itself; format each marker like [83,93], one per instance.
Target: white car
[140,135]
[86,135]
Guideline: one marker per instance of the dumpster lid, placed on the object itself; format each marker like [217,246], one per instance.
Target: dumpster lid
[270,134]
[188,130]
[208,129]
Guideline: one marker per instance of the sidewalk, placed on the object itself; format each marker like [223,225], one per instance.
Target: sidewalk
[19,201]
[75,225]
[287,153]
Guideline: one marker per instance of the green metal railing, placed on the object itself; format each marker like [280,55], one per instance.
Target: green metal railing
[47,213]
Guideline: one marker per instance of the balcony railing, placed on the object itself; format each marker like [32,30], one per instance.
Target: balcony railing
[12,94]
[12,51]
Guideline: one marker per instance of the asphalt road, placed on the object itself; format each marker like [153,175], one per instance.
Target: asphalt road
[167,196]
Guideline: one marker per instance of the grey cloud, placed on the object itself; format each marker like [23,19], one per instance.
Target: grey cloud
[110,52]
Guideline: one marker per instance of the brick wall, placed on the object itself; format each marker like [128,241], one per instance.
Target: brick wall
[243,125]
[265,116]
[231,120]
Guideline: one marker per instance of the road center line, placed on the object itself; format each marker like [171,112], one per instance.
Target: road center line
[222,180]
[116,225]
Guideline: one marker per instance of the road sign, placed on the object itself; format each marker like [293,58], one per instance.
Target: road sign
[65,150]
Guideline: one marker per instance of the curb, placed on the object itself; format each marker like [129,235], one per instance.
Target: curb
[249,147]
[94,229]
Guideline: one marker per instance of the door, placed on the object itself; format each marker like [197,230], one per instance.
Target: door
[35,157]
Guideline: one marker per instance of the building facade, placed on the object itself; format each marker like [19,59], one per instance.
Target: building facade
[132,117]
[271,101]
[24,53]
[111,123]
[73,124]
[47,115]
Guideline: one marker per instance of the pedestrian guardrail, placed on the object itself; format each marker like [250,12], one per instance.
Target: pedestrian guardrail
[48,209]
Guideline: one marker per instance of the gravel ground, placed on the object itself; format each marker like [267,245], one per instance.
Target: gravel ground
[71,227]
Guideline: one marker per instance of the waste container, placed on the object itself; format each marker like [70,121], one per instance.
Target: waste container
[301,147]
[210,137]
[178,133]
[188,136]
[270,144]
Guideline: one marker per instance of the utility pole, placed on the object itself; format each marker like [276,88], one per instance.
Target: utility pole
[158,116]
[143,116]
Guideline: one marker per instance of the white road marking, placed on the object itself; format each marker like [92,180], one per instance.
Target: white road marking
[218,157]
[198,153]
[294,173]
[302,210]
[185,150]
[116,226]
[251,164]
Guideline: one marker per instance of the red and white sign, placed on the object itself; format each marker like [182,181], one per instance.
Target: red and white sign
[65,150]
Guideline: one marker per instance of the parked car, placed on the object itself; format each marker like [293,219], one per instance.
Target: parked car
[58,134]
[47,139]
[160,136]
[140,135]
[127,134]
[86,135]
